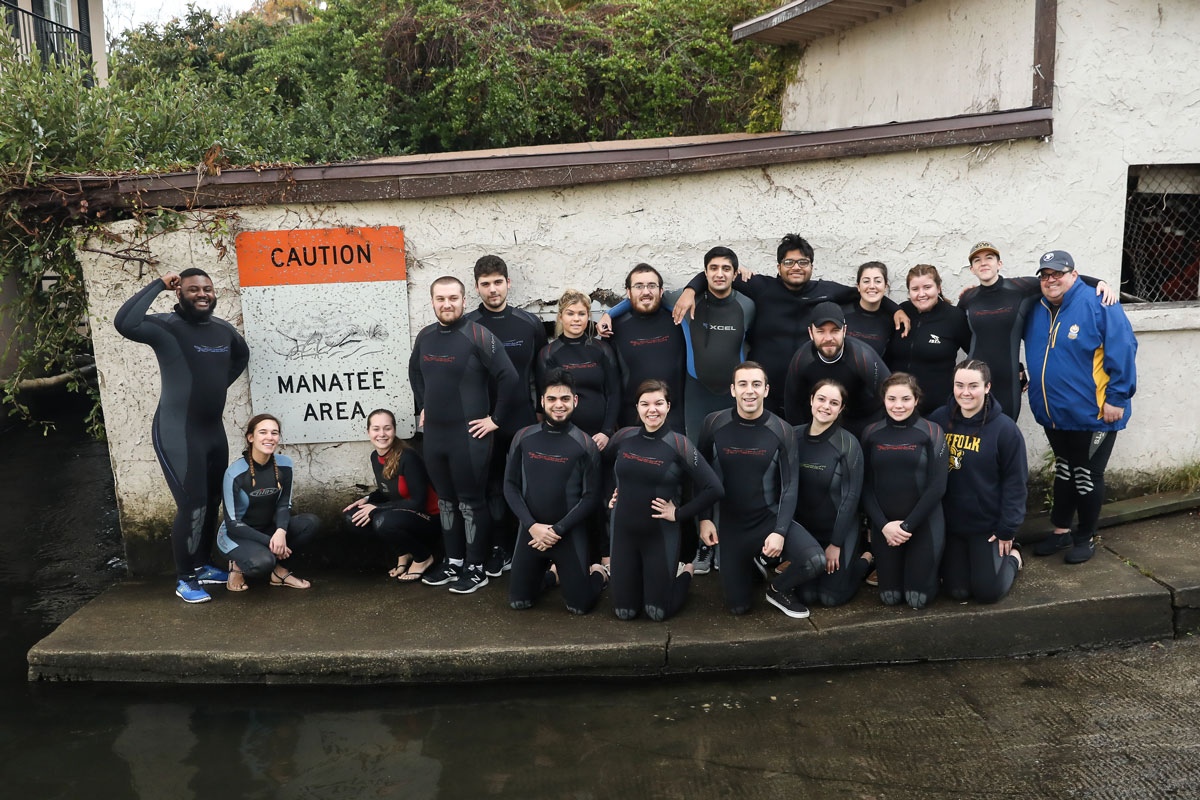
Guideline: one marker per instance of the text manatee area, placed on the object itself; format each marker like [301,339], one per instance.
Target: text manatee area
[326,317]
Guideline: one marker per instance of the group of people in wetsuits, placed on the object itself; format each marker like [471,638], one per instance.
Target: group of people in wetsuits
[786,428]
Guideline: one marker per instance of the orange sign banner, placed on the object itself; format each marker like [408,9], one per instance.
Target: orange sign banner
[324,255]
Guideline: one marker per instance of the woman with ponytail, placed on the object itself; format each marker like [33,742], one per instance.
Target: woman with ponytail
[403,508]
[259,531]
[938,331]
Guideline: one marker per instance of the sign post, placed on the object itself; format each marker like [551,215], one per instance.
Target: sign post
[326,319]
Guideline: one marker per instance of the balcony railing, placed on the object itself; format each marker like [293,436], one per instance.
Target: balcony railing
[51,39]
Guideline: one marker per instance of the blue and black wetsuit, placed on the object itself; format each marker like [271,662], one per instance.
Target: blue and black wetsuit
[553,478]
[985,497]
[905,479]
[197,360]
[645,551]
[755,461]
[930,350]
[831,478]
[859,369]
[258,501]
[406,507]
[593,365]
[449,371]
[649,346]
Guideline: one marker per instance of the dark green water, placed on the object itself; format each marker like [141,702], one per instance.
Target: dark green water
[1119,723]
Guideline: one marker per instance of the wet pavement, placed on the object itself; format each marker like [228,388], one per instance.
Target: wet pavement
[1119,722]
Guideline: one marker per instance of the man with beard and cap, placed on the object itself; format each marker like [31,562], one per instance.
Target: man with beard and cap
[850,362]
[523,336]
[199,356]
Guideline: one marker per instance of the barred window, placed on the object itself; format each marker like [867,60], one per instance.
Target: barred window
[1161,261]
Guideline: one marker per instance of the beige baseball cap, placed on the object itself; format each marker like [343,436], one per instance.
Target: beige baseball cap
[981,247]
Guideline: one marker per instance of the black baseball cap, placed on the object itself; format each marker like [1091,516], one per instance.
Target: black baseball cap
[1055,260]
[828,312]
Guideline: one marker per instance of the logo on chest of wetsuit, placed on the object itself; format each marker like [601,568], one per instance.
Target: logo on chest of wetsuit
[933,339]
[439,359]
[204,348]
[584,365]
[264,492]
[710,327]
[742,451]
[655,340]
[547,457]
[515,343]
[656,462]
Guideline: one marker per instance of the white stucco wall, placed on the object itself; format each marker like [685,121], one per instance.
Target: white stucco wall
[1126,90]
[938,58]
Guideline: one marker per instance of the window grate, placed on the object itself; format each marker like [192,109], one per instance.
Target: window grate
[1161,261]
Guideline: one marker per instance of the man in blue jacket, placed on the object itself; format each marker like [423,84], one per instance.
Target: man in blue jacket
[1082,376]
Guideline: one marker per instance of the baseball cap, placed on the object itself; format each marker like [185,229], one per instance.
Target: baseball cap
[981,247]
[828,312]
[1056,260]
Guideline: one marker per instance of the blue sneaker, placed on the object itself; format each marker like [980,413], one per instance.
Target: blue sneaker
[191,592]
[209,574]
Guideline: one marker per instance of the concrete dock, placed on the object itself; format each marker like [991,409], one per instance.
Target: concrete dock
[1143,584]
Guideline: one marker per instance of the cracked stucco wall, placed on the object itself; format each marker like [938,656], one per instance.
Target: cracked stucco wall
[1126,95]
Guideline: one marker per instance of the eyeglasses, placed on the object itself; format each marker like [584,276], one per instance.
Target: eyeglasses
[641,287]
[795,262]
[1050,275]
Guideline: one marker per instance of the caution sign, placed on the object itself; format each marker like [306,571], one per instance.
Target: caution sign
[326,319]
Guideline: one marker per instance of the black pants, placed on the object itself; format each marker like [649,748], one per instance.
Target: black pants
[738,573]
[1080,458]
[645,558]
[193,460]
[580,590]
[458,467]
[837,588]
[504,522]
[910,571]
[402,530]
[255,559]
[973,568]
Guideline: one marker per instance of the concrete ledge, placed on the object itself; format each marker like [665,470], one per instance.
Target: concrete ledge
[1166,551]
[1119,513]
[365,629]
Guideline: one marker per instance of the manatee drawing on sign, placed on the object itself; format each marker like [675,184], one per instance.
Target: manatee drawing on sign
[330,332]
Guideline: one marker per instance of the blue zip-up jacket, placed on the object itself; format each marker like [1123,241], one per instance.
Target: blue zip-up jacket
[1079,359]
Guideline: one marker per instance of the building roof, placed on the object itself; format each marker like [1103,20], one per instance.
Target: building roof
[804,21]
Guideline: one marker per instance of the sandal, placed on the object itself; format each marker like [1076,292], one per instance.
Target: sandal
[400,570]
[411,575]
[242,585]
[282,580]
[603,570]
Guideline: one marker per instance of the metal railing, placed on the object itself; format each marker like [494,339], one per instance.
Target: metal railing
[50,39]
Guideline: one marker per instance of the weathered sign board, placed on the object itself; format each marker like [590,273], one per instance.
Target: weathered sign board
[326,318]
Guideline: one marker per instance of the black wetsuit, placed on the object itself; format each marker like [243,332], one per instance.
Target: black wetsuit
[831,477]
[930,350]
[523,336]
[649,346]
[996,317]
[645,551]
[859,369]
[593,365]
[406,507]
[449,371]
[553,478]
[985,497]
[874,328]
[781,320]
[197,361]
[905,479]
[258,501]
[755,460]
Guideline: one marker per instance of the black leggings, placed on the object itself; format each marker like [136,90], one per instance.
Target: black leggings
[838,587]
[910,571]
[580,589]
[193,461]
[738,573]
[1080,458]
[255,559]
[973,568]
[504,522]
[403,530]
[645,558]
[457,464]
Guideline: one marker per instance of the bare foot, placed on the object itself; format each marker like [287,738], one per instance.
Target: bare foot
[415,571]
[288,580]
[402,564]
[236,581]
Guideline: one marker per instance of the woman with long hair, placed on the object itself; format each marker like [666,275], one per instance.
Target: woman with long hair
[866,318]
[903,483]
[938,331]
[259,531]
[402,511]
[985,493]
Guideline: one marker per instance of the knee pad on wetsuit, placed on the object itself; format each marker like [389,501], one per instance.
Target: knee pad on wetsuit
[520,605]
[625,613]
[891,597]
[959,593]
[655,613]
[738,611]
[446,511]
[915,599]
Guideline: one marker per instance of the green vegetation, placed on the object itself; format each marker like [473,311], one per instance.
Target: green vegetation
[293,83]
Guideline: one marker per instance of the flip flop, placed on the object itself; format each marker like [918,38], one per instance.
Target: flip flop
[410,576]
[400,569]
[282,580]
[233,570]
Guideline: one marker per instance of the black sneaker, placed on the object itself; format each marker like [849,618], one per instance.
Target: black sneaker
[787,603]
[704,559]
[473,578]
[498,562]
[1081,551]
[1052,544]
[443,573]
